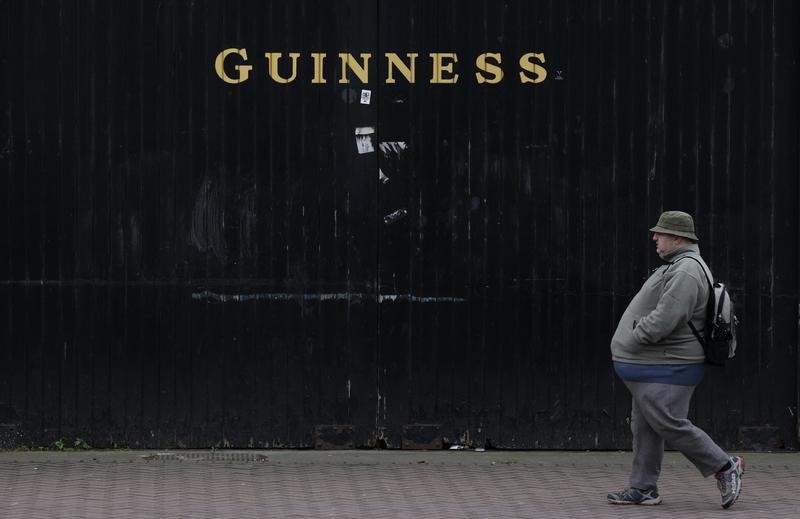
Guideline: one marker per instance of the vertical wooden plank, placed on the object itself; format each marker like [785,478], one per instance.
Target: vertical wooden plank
[718,415]
[608,125]
[784,86]
[188,168]
[290,216]
[395,234]
[248,219]
[66,204]
[737,267]
[9,411]
[795,80]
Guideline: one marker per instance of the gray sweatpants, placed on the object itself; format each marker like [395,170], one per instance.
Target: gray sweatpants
[658,415]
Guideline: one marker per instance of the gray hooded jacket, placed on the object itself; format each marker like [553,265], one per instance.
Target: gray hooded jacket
[654,328]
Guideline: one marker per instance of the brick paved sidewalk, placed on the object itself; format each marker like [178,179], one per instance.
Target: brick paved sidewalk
[372,484]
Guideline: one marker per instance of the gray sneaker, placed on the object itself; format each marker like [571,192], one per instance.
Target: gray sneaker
[729,481]
[634,496]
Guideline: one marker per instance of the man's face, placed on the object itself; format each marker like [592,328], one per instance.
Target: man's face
[667,243]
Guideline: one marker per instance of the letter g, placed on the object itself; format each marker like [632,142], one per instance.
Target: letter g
[243,70]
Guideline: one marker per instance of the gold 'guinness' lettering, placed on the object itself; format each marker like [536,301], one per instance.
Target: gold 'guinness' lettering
[243,70]
[349,62]
[319,72]
[525,63]
[490,68]
[408,72]
[273,58]
[439,67]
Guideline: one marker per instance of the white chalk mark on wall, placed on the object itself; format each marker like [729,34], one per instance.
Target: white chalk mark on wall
[391,298]
[208,220]
[214,297]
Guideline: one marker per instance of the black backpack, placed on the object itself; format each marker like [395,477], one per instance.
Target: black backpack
[719,340]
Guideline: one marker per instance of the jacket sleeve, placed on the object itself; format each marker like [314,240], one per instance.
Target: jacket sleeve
[675,308]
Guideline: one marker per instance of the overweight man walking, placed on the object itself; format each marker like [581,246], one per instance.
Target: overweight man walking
[660,360]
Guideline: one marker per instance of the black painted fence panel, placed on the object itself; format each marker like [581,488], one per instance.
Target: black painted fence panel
[186,262]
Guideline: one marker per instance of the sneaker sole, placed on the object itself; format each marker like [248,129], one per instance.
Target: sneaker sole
[646,502]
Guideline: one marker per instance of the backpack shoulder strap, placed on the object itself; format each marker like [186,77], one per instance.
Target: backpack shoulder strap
[704,268]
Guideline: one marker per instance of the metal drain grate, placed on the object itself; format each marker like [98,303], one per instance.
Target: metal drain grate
[247,457]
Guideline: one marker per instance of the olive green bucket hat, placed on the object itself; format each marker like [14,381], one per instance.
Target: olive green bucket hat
[676,223]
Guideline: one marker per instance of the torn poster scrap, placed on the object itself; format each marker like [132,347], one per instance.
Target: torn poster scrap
[396,147]
[364,139]
[395,216]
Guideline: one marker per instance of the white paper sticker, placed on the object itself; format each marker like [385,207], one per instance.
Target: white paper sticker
[365,96]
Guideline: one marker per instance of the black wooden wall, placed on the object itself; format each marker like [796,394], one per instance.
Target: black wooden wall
[187,262]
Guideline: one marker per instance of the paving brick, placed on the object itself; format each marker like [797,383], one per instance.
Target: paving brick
[373,484]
